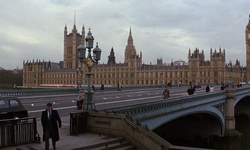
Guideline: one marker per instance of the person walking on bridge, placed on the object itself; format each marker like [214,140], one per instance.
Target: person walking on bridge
[79,100]
[165,93]
[207,88]
[190,90]
[102,88]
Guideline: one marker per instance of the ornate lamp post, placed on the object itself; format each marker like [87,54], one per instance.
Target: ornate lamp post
[79,78]
[88,61]
[230,70]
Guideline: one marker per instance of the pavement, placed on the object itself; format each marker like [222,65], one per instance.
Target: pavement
[66,142]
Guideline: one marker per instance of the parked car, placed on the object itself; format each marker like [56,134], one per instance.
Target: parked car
[12,108]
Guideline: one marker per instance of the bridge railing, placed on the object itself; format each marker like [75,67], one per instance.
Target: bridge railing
[50,91]
[26,92]
[18,131]
[172,105]
[155,105]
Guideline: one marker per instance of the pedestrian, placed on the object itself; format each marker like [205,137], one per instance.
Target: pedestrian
[222,87]
[207,88]
[50,121]
[211,88]
[79,101]
[102,88]
[93,88]
[118,87]
[165,93]
[190,90]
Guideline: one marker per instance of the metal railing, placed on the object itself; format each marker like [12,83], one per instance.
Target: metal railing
[28,92]
[155,109]
[25,92]
[18,131]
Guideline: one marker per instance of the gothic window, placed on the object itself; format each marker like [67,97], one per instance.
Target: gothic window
[216,73]
[30,68]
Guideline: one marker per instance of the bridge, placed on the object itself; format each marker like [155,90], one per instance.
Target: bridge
[219,105]
[155,114]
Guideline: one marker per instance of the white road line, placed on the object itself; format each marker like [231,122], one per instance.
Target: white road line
[138,99]
[104,103]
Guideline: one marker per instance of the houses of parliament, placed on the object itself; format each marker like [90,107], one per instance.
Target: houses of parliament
[70,72]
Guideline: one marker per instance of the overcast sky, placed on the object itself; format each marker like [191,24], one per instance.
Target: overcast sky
[33,29]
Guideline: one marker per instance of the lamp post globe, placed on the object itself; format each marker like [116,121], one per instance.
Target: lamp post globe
[89,40]
[81,52]
[97,53]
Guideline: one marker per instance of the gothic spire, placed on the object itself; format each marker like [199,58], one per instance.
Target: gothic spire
[111,57]
[65,29]
[83,33]
[74,20]
[130,38]
[130,33]
[248,25]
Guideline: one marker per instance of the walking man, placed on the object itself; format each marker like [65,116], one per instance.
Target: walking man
[165,93]
[102,88]
[207,88]
[50,121]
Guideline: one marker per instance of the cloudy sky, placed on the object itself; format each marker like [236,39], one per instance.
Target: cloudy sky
[33,29]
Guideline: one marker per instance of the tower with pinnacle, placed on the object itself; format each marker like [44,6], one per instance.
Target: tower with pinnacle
[71,41]
[247,38]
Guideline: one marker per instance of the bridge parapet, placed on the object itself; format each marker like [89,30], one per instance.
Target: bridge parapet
[26,92]
[60,90]
[120,125]
[164,107]
[212,102]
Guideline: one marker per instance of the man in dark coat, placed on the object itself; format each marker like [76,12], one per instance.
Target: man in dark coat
[50,121]
[191,90]
[102,88]
[207,88]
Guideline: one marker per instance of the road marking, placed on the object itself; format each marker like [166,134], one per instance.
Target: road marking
[34,111]
[104,103]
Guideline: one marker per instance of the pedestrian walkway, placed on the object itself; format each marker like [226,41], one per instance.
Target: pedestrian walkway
[66,142]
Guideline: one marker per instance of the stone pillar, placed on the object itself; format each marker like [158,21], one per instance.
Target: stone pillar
[230,120]
[232,138]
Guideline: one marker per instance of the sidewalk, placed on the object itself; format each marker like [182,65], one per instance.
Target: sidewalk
[66,141]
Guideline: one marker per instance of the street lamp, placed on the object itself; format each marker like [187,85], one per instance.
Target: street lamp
[88,61]
[230,70]
[79,77]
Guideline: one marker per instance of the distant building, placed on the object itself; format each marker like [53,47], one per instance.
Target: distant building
[180,63]
[132,71]
[17,70]
[247,39]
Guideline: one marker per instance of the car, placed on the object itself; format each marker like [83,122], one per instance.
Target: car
[12,108]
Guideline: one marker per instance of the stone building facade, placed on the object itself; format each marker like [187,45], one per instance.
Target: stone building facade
[247,37]
[70,71]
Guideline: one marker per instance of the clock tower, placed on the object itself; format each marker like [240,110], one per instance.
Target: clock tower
[247,36]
